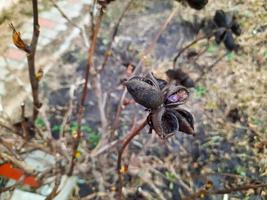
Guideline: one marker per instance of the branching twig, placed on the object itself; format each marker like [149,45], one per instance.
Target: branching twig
[209,68]
[128,138]
[31,61]
[62,13]
[202,37]
[55,191]
[114,33]
[85,90]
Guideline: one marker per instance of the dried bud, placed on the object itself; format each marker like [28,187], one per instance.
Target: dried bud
[186,121]
[145,91]
[165,122]
[39,74]
[197,4]
[18,41]
[104,3]
[227,21]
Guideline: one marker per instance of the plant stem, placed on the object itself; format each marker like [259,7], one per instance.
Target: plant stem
[31,61]
[128,138]
[90,63]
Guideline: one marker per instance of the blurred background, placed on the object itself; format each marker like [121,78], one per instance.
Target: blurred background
[227,98]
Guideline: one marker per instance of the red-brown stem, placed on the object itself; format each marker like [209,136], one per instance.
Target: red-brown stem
[192,43]
[91,52]
[128,138]
[31,61]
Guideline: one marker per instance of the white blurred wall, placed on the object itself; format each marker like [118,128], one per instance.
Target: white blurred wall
[5,4]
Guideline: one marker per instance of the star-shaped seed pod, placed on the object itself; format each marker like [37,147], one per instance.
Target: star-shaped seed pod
[228,22]
[162,101]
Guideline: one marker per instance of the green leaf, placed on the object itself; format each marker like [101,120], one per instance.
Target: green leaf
[86,129]
[211,48]
[94,139]
[55,128]
[39,122]
[230,56]
[265,54]
[200,91]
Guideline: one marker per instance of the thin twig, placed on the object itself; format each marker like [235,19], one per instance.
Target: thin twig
[90,63]
[31,61]
[202,37]
[128,138]
[114,33]
[209,68]
[55,191]
[62,13]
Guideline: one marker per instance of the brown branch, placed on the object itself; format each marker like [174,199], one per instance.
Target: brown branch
[209,68]
[62,13]
[128,138]
[114,33]
[55,191]
[91,52]
[31,61]
[202,37]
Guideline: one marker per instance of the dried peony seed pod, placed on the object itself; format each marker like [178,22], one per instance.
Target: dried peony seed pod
[236,28]
[186,121]
[145,91]
[197,4]
[229,41]
[176,95]
[164,122]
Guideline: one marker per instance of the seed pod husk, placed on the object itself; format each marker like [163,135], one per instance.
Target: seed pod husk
[229,42]
[186,121]
[165,122]
[176,95]
[145,92]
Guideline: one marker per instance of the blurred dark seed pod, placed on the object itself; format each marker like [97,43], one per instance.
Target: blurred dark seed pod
[229,42]
[186,121]
[219,35]
[104,3]
[220,18]
[181,77]
[175,95]
[236,28]
[197,4]
[165,122]
[187,115]
[162,83]
[145,92]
